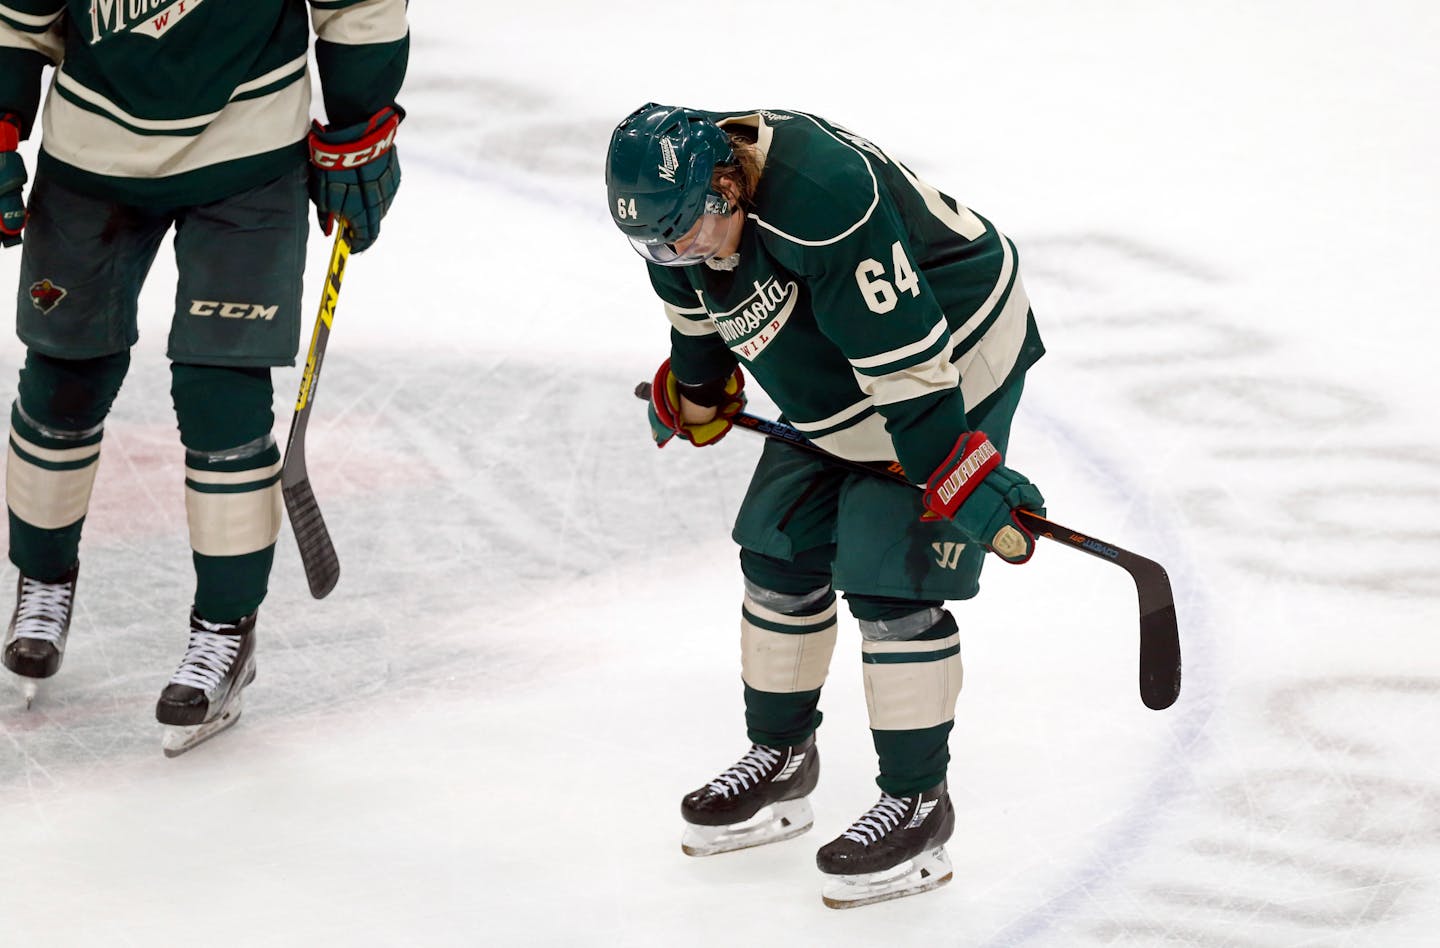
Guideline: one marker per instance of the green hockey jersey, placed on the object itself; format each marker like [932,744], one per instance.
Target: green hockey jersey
[872,308]
[178,102]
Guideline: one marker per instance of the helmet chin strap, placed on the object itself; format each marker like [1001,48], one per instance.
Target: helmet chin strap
[724,263]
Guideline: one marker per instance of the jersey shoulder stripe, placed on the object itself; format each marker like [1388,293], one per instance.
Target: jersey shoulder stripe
[33,17]
[359,22]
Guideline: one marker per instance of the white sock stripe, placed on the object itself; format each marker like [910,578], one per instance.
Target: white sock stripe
[232,477]
[45,498]
[233,524]
[53,455]
[927,645]
[785,662]
[780,618]
[907,696]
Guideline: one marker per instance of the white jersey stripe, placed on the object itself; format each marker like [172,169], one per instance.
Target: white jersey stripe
[245,127]
[40,21]
[688,325]
[190,124]
[371,21]
[903,352]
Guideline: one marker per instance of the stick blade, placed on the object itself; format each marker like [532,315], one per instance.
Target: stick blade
[317,553]
[1159,635]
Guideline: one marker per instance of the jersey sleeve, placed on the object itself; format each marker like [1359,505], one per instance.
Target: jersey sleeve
[697,353]
[872,301]
[32,36]
[362,48]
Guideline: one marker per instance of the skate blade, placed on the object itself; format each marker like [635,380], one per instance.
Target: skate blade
[29,689]
[774,823]
[927,871]
[181,738]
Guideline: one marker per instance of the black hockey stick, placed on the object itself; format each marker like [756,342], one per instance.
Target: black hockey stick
[1159,631]
[317,553]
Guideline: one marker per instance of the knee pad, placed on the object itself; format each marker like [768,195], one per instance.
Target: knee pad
[69,396]
[786,639]
[219,407]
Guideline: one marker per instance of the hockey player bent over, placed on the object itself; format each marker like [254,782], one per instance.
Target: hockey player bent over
[889,323]
[194,116]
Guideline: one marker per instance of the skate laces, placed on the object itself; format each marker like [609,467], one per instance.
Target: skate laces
[883,817]
[42,610]
[208,656]
[747,771]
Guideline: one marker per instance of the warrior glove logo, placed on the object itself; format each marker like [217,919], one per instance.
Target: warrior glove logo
[46,295]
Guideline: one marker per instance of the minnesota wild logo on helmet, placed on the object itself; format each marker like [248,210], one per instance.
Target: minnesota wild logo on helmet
[657,175]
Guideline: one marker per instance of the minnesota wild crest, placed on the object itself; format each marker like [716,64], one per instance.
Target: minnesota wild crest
[152,18]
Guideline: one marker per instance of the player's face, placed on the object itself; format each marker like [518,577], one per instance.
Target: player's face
[706,238]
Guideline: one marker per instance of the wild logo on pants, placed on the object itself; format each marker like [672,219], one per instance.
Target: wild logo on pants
[46,295]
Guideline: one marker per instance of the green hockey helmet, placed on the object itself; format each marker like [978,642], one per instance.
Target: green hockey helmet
[657,175]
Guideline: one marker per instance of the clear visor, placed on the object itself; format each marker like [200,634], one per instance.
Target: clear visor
[701,242]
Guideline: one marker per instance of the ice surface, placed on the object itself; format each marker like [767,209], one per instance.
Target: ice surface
[1228,216]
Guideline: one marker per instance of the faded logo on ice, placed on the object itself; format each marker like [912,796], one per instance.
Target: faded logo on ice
[754,324]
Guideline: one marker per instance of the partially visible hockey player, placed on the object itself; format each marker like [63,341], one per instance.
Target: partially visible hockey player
[889,323]
[194,117]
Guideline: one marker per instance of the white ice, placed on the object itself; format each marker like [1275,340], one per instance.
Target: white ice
[1229,217]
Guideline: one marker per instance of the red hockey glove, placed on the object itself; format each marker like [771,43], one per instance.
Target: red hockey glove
[972,488]
[12,181]
[354,174]
[728,399]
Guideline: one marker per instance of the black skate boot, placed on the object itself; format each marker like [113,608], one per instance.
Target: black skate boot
[895,849]
[203,696]
[35,643]
[761,799]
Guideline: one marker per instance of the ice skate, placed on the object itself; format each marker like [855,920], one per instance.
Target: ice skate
[761,799]
[203,696]
[896,849]
[35,642]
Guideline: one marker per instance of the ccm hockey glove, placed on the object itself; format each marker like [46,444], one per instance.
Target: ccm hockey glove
[12,180]
[355,173]
[726,396]
[972,488]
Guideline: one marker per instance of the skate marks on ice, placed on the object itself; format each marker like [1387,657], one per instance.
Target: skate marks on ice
[1333,841]
[518,137]
[1319,819]
[454,506]
[1167,331]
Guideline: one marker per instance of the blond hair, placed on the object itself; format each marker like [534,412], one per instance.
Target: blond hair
[743,171]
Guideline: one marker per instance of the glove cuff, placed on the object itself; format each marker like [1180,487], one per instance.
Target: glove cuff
[957,477]
[9,131]
[337,150]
